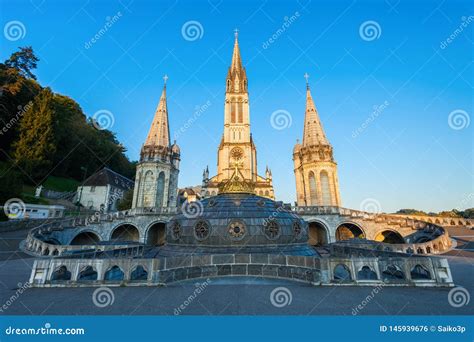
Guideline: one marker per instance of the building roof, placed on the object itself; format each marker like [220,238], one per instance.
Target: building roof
[106,177]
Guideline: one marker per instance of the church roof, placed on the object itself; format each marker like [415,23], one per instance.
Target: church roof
[106,177]
[159,134]
[313,129]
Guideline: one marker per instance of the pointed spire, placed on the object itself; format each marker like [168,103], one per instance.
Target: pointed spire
[313,130]
[159,134]
[236,59]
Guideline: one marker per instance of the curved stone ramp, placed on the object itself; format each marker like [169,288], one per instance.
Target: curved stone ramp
[412,271]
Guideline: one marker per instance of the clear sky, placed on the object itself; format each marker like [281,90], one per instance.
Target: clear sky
[407,154]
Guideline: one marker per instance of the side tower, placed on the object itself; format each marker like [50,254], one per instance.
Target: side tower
[315,169]
[237,149]
[156,180]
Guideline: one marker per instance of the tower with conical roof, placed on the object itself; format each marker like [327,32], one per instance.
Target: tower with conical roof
[237,148]
[156,180]
[315,169]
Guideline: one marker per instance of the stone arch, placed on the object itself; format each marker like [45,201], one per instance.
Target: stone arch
[318,233]
[88,273]
[55,252]
[213,193]
[366,273]
[45,251]
[267,193]
[85,238]
[125,232]
[326,195]
[114,273]
[420,272]
[156,234]
[138,273]
[349,230]
[393,272]
[453,223]
[428,250]
[342,273]
[420,250]
[437,221]
[61,274]
[160,190]
[313,193]
[389,236]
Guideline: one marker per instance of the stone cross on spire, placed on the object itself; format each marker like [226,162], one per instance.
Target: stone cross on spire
[306,76]
[165,78]
[236,32]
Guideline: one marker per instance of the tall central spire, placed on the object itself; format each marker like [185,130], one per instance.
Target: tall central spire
[236,77]
[313,130]
[159,134]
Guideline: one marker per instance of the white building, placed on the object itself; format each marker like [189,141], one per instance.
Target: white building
[103,190]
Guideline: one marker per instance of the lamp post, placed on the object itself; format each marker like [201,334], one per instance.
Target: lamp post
[82,186]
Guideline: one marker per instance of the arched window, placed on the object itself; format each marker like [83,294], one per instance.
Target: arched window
[325,192]
[240,110]
[148,189]
[313,194]
[233,110]
[160,190]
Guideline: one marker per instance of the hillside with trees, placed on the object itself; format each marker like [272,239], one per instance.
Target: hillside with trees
[46,134]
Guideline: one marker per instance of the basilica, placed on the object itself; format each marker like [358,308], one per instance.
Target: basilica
[237,228]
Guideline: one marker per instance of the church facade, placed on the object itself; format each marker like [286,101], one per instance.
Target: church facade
[237,153]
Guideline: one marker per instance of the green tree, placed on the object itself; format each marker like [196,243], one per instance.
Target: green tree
[24,61]
[36,146]
[126,202]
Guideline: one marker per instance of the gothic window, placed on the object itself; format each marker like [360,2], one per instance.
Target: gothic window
[240,107]
[176,230]
[202,230]
[160,190]
[148,189]
[271,229]
[236,229]
[326,193]
[312,189]
[233,110]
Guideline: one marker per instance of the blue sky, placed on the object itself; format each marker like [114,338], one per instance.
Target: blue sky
[406,156]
